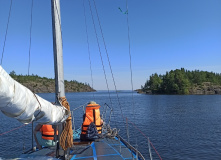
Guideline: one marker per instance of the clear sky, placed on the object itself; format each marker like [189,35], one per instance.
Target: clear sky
[165,35]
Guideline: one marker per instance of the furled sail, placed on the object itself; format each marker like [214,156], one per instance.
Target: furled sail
[19,102]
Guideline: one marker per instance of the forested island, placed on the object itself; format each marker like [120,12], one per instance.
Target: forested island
[181,81]
[39,84]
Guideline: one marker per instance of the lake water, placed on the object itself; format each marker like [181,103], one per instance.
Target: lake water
[180,127]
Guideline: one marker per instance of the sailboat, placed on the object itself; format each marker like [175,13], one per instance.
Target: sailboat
[20,103]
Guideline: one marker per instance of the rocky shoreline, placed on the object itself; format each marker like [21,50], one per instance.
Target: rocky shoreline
[39,84]
[45,87]
[207,88]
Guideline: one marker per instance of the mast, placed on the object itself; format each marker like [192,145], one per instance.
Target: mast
[58,51]
[66,137]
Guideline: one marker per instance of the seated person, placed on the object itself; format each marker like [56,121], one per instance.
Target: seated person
[44,136]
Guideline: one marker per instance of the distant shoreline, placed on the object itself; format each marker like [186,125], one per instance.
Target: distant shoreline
[209,90]
[39,84]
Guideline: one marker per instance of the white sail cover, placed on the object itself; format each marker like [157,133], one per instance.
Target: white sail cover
[19,102]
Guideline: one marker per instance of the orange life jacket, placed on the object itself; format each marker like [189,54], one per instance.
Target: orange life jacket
[47,132]
[92,114]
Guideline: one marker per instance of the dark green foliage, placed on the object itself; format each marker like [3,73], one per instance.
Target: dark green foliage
[179,81]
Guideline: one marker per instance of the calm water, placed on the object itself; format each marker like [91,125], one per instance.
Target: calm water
[180,127]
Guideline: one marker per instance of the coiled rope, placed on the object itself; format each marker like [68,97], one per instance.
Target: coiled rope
[109,132]
[66,139]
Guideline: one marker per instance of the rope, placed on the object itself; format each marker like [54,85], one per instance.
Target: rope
[13,129]
[108,132]
[9,15]
[37,99]
[29,61]
[66,139]
[39,107]
[146,138]
[88,46]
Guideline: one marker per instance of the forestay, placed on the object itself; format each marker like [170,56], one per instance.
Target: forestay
[19,102]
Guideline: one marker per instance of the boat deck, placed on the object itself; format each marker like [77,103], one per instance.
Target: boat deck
[106,148]
[102,149]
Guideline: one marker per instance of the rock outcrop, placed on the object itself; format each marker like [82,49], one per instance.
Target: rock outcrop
[206,88]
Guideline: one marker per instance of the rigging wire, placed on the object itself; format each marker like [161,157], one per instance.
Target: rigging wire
[118,99]
[100,51]
[18,145]
[24,135]
[88,46]
[6,32]
[101,57]
[108,60]
[29,60]
[13,129]
[146,138]
[131,72]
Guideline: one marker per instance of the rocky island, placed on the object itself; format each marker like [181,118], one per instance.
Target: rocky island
[183,82]
[39,84]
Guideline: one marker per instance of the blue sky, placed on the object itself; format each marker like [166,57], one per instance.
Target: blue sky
[165,35]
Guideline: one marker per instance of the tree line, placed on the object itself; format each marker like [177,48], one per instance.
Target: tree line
[179,81]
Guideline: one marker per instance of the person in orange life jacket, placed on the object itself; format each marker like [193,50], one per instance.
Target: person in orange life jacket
[92,123]
[44,136]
